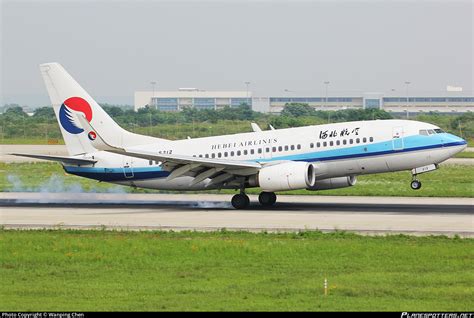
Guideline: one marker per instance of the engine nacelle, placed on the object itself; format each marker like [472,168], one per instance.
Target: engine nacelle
[333,183]
[286,176]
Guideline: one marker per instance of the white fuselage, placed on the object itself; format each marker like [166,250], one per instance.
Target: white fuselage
[340,149]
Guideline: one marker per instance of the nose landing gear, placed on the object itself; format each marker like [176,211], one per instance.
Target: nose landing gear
[415,184]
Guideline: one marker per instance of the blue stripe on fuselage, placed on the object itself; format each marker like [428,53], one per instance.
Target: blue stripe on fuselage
[411,143]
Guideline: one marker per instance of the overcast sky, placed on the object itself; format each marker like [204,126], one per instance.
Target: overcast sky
[116,47]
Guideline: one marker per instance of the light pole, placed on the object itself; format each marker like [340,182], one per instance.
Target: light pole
[247,94]
[326,100]
[406,93]
[153,83]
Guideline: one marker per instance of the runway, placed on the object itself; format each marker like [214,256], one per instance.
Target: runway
[207,212]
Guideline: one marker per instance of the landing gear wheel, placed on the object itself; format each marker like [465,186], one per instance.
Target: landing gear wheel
[240,201]
[267,198]
[415,184]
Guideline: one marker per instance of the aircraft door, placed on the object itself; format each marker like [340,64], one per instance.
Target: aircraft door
[128,167]
[397,138]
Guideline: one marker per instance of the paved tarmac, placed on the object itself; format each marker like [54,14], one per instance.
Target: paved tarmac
[55,150]
[203,212]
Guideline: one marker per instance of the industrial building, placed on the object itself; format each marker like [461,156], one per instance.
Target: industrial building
[191,97]
[177,100]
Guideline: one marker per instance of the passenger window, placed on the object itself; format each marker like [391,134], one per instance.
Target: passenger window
[331,143]
[206,155]
[213,155]
[238,152]
[298,147]
[150,162]
[259,150]
[286,148]
[292,147]
[280,148]
[364,140]
[351,141]
[219,155]
[344,142]
[231,153]
[267,149]
[357,140]
[371,139]
[318,144]
[311,145]
[200,156]
[252,151]
[225,154]
[274,149]
[245,152]
[325,144]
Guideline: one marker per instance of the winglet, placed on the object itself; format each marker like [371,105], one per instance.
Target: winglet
[255,127]
[95,138]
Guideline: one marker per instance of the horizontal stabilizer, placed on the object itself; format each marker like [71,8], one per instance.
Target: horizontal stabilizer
[66,160]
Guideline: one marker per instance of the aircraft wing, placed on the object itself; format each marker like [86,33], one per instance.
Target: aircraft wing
[218,170]
[66,160]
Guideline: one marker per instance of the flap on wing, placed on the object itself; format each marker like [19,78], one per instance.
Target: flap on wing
[66,160]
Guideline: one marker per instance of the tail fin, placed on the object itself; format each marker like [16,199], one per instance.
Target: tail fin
[68,96]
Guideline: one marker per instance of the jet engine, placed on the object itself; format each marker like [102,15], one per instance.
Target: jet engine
[285,176]
[333,183]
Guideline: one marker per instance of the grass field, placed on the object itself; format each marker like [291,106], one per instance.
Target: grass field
[155,271]
[31,141]
[465,154]
[448,181]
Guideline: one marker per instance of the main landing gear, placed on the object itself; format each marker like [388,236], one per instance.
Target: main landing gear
[242,201]
[267,198]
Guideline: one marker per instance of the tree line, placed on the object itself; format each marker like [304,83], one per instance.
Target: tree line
[15,123]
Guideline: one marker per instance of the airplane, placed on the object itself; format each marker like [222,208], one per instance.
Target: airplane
[317,157]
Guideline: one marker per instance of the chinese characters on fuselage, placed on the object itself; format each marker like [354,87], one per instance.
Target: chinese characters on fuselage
[341,133]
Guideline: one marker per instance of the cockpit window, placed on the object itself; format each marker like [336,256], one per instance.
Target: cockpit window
[427,132]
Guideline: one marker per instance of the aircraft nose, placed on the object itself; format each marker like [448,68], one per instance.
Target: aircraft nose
[460,143]
[455,138]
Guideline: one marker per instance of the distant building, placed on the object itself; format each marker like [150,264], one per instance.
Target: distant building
[177,100]
[191,97]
